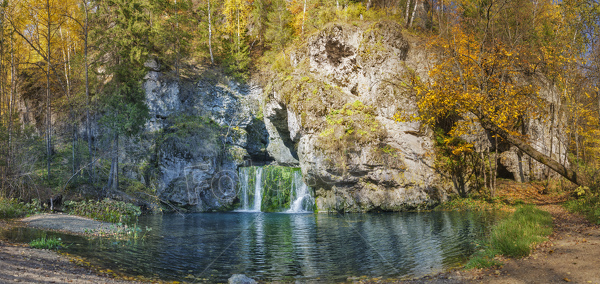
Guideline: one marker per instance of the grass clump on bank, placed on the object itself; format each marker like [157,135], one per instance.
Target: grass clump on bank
[514,236]
[46,243]
[470,204]
[587,204]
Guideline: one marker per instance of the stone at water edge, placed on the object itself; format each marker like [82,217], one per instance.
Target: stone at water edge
[241,279]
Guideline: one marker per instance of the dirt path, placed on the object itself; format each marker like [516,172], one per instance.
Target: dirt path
[19,264]
[571,255]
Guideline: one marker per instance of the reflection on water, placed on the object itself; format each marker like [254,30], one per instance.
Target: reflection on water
[272,246]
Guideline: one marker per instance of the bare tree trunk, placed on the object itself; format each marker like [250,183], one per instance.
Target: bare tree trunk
[304,16]
[113,175]
[212,60]
[552,121]
[48,114]
[87,93]
[2,69]
[483,169]
[535,154]
[13,82]
[576,142]
[492,170]
[109,184]
[10,105]
[66,62]
[238,30]
[407,12]
[412,17]
[116,183]
[177,43]
[3,77]
[441,17]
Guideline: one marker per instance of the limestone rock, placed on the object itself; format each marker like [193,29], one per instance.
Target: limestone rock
[241,279]
[200,131]
[392,169]
[281,144]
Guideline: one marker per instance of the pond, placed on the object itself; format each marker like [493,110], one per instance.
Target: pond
[285,247]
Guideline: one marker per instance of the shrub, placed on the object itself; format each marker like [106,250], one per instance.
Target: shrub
[11,208]
[587,204]
[106,210]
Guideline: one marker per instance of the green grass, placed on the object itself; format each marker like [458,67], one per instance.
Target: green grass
[587,205]
[514,236]
[46,243]
[483,258]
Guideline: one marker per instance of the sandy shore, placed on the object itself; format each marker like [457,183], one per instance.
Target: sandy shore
[69,224]
[20,264]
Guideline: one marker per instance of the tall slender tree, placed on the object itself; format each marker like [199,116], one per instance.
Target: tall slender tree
[37,22]
[122,35]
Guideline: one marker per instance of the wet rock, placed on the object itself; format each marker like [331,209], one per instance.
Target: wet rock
[241,279]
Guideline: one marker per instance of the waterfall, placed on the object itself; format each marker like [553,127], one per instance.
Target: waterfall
[245,179]
[302,199]
[276,189]
[257,190]
[244,175]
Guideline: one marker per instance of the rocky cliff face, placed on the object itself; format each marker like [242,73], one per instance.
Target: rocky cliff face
[545,134]
[202,131]
[334,113]
[330,113]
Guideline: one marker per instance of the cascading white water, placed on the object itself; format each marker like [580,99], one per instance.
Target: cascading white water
[257,190]
[303,200]
[292,187]
[244,175]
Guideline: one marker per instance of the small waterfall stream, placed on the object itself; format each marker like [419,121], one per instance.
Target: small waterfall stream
[276,189]
[244,188]
[257,190]
[302,199]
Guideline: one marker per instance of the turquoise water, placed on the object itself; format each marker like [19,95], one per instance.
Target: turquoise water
[210,247]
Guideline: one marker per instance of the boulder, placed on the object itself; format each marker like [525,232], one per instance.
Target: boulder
[241,279]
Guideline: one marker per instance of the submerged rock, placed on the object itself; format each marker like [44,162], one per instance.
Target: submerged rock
[241,279]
